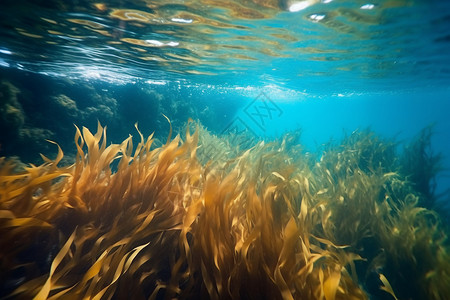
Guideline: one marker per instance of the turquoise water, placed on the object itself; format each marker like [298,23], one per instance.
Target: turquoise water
[327,47]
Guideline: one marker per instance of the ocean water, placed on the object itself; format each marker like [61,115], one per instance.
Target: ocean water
[281,93]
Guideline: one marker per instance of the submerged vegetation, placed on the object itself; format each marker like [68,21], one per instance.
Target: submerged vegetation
[421,166]
[199,218]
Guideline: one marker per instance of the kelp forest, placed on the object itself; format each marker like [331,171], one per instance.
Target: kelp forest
[202,216]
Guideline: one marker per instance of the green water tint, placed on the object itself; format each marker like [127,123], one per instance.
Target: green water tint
[184,221]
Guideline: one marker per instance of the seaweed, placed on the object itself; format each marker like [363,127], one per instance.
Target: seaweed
[177,221]
[421,166]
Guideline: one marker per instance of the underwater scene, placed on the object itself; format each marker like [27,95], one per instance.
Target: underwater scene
[210,149]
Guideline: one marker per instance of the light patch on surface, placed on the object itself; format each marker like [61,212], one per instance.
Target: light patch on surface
[156,82]
[4,63]
[281,94]
[92,74]
[298,6]
[161,44]
[5,51]
[179,20]
[316,17]
[155,43]
[103,74]
[367,6]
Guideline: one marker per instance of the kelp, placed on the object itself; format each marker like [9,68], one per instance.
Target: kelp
[216,150]
[200,218]
[422,166]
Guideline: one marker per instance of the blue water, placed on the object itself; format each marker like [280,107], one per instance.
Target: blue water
[328,47]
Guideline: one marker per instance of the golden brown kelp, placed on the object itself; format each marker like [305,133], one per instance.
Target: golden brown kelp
[264,222]
[218,150]
[370,206]
[121,225]
[251,239]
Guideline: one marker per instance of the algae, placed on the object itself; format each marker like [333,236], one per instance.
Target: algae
[176,221]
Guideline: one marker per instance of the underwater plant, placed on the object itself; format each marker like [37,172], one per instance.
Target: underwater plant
[421,166]
[267,222]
